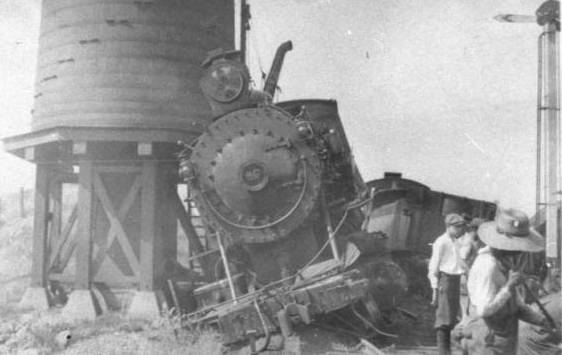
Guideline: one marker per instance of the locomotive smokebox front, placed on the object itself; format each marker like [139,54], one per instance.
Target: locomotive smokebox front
[257,183]
[254,180]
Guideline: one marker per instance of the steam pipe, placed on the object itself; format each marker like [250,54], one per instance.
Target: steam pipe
[244,26]
[273,77]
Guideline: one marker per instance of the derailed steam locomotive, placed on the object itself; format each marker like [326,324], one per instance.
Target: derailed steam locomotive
[278,190]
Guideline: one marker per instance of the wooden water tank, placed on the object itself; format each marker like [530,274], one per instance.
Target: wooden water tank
[127,63]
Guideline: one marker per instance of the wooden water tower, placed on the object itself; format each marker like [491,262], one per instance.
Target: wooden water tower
[116,88]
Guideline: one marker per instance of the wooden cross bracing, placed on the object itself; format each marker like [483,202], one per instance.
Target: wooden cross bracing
[62,243]
[116,229]
[65,245]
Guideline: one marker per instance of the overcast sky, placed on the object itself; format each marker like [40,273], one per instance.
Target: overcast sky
[19,30]
[434,89]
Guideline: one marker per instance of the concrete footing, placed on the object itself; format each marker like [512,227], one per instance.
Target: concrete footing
[35,298]
[146,304]
[81,305]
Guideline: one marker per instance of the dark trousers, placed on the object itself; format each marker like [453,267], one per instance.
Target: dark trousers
[447,314]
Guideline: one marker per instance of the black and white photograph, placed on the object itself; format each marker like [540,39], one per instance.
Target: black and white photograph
[282,177]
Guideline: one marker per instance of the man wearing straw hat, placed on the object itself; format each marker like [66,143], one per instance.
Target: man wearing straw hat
[496,300]
[444,272]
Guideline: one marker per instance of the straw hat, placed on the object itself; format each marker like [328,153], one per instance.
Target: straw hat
[511,231]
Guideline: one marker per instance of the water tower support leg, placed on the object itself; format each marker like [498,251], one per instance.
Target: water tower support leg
[81,304]
[55,228]
[146,302]
[37,296]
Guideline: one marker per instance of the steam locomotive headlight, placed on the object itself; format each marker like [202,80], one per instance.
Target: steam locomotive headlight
[224,81]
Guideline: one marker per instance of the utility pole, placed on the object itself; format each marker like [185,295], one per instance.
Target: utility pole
[550,109]
[548,124]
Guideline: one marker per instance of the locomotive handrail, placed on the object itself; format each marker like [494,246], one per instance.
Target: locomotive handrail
[334,232]
[265,327]
[200,255]
[271,224]
[330,238]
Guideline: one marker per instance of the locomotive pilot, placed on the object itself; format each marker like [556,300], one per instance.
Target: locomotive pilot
[444,272]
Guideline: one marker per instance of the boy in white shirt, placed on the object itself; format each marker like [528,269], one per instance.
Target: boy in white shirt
[444,272]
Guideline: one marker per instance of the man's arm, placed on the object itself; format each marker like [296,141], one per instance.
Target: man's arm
[528,314]
[486,299]
[434,261]
[466,250]
[495,304]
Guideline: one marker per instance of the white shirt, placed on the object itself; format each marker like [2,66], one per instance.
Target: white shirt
[465,246]
[486,285]
[468,248]
[445,257]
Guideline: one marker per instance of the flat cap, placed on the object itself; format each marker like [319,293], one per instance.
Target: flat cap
[454,219]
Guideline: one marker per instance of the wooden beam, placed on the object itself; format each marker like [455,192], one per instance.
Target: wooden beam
[85,224]
[68,178]
[124,209]
[41,211]
[124,281]
[58,258]
[55,193]
[119,169]
[148,214]
[15,143]
[115,224]
[166,218]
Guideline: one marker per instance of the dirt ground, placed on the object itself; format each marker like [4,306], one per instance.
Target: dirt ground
[35,333]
